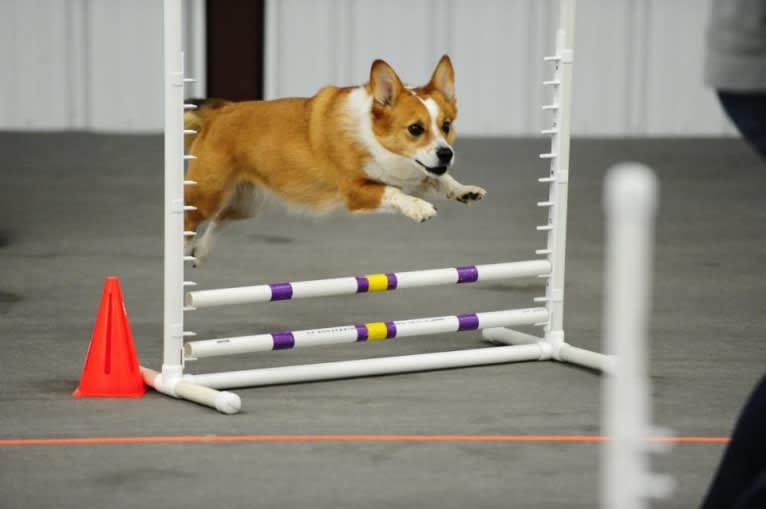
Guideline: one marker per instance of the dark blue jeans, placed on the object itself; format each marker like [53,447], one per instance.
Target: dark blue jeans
[740,482]
[748,112]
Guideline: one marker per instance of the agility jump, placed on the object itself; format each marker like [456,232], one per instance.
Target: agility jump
[520,346]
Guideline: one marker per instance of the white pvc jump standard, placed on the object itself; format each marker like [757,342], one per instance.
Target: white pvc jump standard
[170,380]
[558,181]
[523,347]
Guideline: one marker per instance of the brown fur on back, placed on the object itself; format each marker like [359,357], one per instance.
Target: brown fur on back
[194,119]
[297,148]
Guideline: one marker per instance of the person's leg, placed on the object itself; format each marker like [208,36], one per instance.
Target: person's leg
[740,475]
[748,112]
[755,496]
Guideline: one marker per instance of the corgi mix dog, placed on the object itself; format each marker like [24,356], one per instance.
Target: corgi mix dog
[378,147]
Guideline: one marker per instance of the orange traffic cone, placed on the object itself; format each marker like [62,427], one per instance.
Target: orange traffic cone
[111,365]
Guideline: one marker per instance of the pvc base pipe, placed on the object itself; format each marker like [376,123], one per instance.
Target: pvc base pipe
[504,336]
[223,401]
[372,367]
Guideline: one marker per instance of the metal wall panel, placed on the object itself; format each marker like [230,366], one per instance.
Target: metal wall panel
[675,99]
[125,82]
[35,64]
[603,76]
[87,64]
[489,62]
[638,65]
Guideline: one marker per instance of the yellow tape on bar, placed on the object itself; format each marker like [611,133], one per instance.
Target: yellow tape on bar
[376,330]
[377,282]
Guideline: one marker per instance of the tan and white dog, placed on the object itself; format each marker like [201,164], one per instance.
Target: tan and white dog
[378,147]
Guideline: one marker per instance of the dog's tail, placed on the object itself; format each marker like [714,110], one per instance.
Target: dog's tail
[195,119]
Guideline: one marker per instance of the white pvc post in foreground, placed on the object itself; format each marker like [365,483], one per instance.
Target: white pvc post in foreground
[631,201]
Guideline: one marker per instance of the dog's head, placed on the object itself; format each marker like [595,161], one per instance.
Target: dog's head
[415,123]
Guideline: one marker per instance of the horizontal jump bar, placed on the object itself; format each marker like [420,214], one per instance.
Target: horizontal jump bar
[371,331]
[366,283]
[372,367]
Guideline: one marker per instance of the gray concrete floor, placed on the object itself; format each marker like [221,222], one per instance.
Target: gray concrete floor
[76,208]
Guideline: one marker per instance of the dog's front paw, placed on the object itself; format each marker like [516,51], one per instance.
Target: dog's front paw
[468,194]
[418,210]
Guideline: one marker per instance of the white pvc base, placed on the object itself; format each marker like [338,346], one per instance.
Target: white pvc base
[503,336]
[372,367]
[565,352]
[202,388]
[585,358]
[224,402]
[538,351]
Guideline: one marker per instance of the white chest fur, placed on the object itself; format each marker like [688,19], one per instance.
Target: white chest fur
[384,165]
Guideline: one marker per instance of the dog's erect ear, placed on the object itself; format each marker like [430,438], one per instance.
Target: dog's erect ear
[385,84]
[443,78]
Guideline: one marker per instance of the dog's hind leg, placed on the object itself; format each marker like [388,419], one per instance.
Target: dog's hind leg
[241,204]
[192,220]
[209,196]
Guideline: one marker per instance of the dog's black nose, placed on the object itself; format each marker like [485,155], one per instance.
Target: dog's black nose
[444,154]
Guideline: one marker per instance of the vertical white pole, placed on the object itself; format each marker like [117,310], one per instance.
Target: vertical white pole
[169,381]
[630,201]
[172,360]
[272,51]
[197,47]
[559,173]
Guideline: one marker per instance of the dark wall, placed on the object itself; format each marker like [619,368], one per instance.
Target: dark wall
[235,31]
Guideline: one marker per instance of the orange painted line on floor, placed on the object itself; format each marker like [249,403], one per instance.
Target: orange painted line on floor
[191,439]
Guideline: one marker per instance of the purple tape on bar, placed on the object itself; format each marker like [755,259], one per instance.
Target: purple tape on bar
[281,291]
[392,281]
[283,340]
[362,285]
[390,330]
[467,274]
[469,321]
[361,332]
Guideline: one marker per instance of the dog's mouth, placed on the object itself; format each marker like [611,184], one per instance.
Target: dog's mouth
[436,170]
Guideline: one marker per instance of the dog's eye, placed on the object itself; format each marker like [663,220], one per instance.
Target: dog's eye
[416,129]
[445,126]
